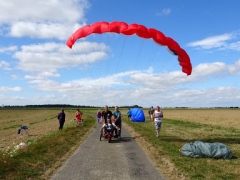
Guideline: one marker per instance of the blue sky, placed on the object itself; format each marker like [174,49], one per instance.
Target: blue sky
[36,66]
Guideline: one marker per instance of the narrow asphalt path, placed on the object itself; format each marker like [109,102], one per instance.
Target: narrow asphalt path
[95,159]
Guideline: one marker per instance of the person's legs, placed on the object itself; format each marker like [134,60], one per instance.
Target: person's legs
[61,123]
[119,125]
[157,127]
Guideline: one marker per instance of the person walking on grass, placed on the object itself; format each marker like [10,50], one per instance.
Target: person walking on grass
[61,119]
[157,116]
[150,112]
[78,116]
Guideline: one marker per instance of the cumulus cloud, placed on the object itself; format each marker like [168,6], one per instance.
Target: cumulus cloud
[212,42]
[137,86]
[42,30]
[8,49]
[6,89]
[5,65]
[221,42]
[235,69]
[53,56]
[42,19]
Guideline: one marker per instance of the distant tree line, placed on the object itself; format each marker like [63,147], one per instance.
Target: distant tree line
[63,106]
[207,107]
[84,106]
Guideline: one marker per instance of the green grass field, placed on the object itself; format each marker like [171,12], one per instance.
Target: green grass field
[41,156]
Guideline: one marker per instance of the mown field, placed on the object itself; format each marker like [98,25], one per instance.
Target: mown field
[180,126]
[39,121]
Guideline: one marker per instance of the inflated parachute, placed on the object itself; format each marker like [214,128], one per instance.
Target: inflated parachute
[137,115]
[139,30]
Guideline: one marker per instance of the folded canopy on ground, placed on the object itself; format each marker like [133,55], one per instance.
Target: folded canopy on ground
[200,149]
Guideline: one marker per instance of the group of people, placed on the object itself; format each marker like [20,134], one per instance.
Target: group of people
[113,121]
[62,116]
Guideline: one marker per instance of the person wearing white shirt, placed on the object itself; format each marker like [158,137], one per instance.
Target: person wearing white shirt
[157,116]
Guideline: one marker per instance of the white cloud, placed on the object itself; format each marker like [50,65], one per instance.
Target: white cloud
[233,46]
[8,49]
[164,12]
[142,86]
[53,56]
[4,65]
[44,10]
[6,89]
[42,30]
[212,42]
[14,76]
[42,19]
[235,69]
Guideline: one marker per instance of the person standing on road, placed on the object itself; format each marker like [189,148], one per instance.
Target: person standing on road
[61,119]
[117,120]
[105,114]
[157,116]
[99,114]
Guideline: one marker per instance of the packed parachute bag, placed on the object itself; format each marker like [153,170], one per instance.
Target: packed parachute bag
[199,149]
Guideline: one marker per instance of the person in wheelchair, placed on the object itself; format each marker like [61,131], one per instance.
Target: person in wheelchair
[109,126]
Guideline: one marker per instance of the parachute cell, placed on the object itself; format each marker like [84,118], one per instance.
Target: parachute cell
[139,30]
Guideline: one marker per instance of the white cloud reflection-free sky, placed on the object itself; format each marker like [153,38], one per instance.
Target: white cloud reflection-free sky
[36,66]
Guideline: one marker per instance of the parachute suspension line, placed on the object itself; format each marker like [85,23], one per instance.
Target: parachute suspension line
[120,56]
[88,73]
[153,56]
[137,98]
[76,58]
[171,81]
[138,55]
[141,31]
[145,92]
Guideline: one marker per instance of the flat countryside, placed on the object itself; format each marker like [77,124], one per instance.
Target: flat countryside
[180,126]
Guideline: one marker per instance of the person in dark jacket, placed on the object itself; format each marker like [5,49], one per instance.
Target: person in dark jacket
[105,114]
[61,119]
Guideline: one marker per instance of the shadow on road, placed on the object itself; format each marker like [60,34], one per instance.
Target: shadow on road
[126,139]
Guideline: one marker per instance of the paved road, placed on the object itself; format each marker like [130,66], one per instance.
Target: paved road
[95,159]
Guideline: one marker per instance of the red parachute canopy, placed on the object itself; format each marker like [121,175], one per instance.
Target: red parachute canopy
[139,30]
